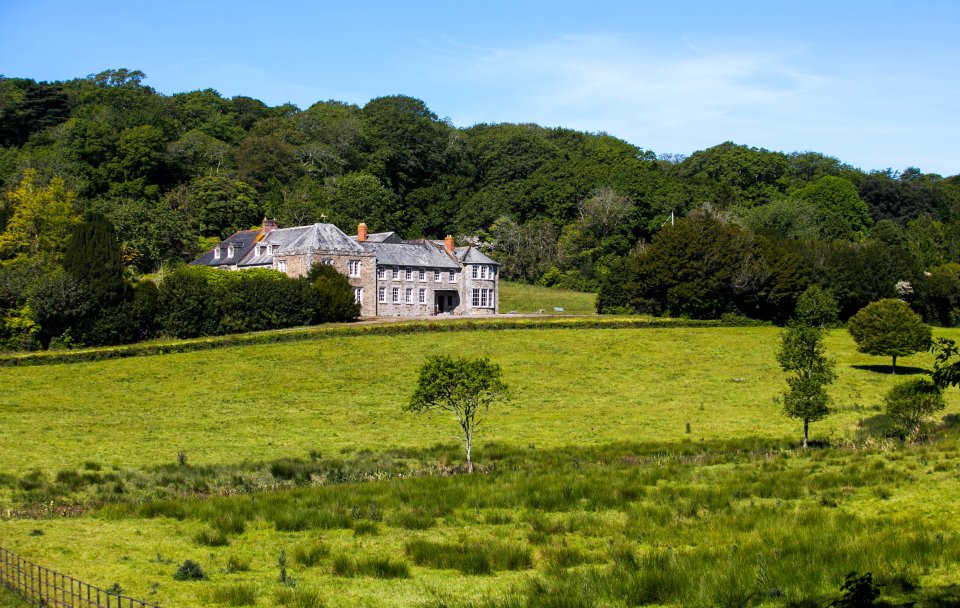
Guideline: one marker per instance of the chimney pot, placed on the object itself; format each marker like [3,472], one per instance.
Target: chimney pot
[362,232]
[268,225]
[448,244]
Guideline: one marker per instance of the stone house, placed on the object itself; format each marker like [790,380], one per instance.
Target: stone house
[391,277]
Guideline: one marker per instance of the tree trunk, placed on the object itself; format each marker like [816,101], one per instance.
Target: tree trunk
[469,462]
[806,431]
[893,368]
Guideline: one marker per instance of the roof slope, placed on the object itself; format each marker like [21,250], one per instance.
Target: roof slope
[410,254]
[242,241]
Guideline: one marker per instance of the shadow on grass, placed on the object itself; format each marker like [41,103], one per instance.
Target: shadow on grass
[902,370]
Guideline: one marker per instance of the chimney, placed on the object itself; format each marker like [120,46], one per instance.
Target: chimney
[268,225]
[362,232]
[448,244]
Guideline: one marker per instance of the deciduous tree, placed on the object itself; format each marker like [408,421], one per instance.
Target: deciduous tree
[802,356]
[466,387]
[889,328]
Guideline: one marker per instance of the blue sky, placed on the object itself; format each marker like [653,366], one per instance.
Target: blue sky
[875,84]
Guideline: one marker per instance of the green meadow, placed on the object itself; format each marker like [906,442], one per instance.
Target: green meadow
[632,467]
[518,297]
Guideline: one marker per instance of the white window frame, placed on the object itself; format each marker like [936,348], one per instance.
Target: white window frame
[436,276]
[327,261]
[229,251]
[358,295]
[396,295]
[474,272]
[408,274]
[353,268]
[409,295]
[453,276]
[422,275]
[423,295]
[216,252]
[382,295]
[282,265]
[381,273]
[396,273]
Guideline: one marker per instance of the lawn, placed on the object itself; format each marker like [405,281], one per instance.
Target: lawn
[517,297]
[593,486]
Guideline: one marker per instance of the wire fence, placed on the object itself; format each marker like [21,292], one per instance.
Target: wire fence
[43,587]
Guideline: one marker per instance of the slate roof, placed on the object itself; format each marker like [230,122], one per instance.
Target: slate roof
[325,237]
[382,237]
[416,253]
[242,241]
[472,255]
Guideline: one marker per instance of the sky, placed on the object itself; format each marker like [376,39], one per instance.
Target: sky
[875,84]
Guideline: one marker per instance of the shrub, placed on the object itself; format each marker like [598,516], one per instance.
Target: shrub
[470,557]
[911,404]
[189,570]
[331,295]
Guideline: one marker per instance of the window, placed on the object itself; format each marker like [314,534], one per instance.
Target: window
[453,276]
[269,249]
[382,294]
[474,272]
[396,294]
[423,295]
[259,250]
[481,298]
[230,251]
[381,274]
[358,295]
[436,276]
[491,272]
[353,267]
[282,265]
[409,295]
[216,253]
[396,272]
[409,274]
[423,275]
[327,261]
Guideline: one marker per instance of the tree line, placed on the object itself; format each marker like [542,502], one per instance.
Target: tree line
[174,173]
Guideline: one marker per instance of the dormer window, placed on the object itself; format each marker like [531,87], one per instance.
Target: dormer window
[230,251]
[269,249]
[216,253]
[259,250]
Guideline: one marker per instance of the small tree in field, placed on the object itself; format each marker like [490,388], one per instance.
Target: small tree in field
[802,356]
[466,387]
[889,328]
[912,403]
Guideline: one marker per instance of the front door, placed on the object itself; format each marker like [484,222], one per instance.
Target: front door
[446,301]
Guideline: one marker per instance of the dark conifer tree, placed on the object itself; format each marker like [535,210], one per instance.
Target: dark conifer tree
[94,258]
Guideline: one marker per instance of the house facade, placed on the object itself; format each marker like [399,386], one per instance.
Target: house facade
[390,277]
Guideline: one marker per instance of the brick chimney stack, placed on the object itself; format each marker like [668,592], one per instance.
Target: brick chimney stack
[448,244]
[268,225]
[362,232]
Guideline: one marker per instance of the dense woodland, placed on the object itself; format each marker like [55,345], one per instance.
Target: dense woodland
[172,174]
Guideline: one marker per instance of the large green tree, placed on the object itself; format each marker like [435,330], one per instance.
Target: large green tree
[889,328]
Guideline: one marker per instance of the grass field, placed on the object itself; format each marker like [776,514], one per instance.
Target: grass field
[517,297]
[594,491]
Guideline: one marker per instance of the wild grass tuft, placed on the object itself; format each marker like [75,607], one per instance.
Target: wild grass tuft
[377,567]
[310,553]
[298,597]
[211,538]
[233,594]
[471,557]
